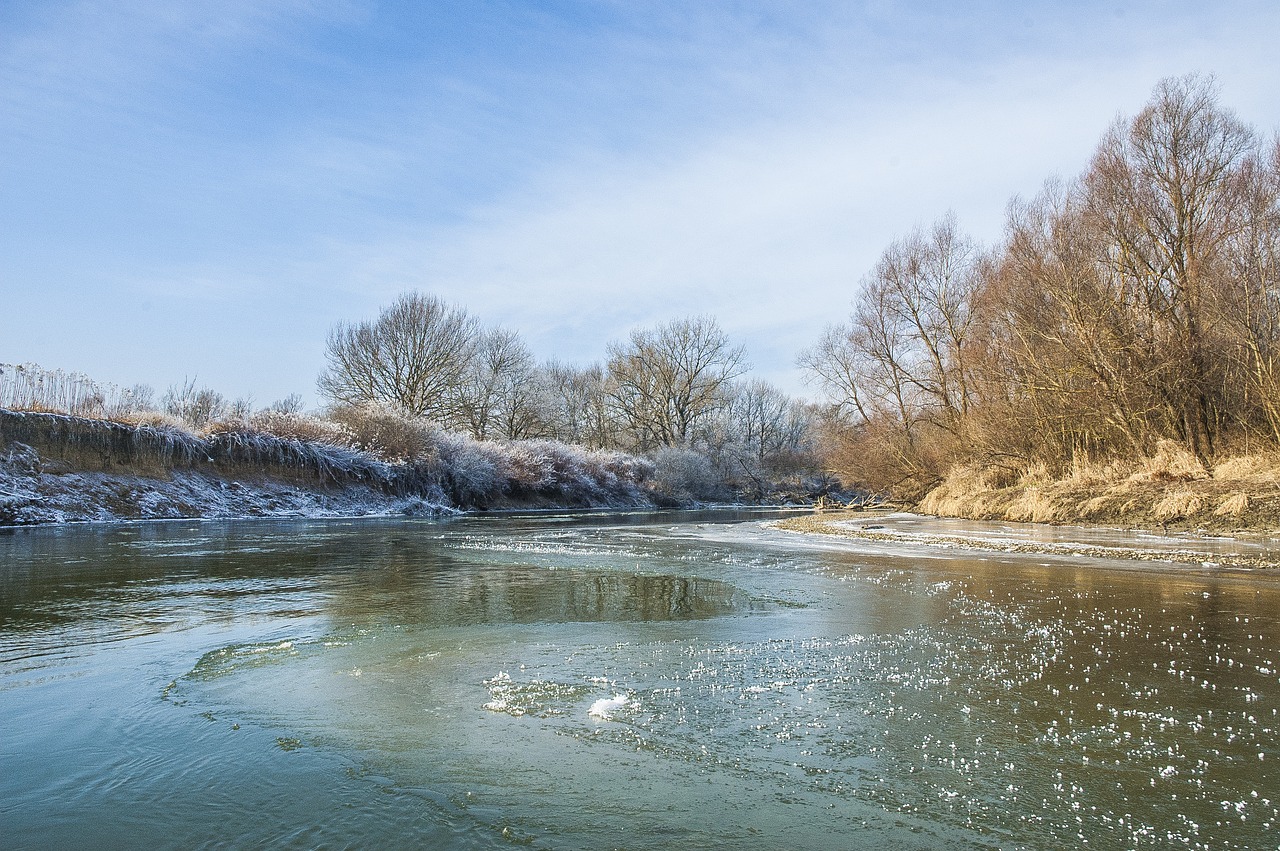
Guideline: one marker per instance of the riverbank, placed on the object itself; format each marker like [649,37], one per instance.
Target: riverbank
[1243,550]
[35,491]
[56,468]
[1170,490]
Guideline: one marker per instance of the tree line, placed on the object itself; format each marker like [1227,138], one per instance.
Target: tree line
[676,391]
[1137,303]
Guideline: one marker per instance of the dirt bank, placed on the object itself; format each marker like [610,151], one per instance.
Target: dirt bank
[35,491]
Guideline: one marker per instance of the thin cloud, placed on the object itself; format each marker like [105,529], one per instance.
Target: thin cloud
[245,174]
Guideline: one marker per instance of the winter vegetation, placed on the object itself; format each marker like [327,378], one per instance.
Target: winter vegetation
[428,410]
[674,395]
[60,467]
[1116,357]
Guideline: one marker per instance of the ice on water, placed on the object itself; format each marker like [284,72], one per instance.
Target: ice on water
[606,706]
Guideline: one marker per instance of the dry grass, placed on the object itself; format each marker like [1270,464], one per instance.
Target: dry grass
[1032,504]
[1233,505]
[1177,505]
[1249,468]
[1171,463]
[1170,488]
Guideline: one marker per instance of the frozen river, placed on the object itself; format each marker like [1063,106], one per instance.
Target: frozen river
[679,680]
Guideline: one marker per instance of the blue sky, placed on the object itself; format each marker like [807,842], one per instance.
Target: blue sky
[204,188]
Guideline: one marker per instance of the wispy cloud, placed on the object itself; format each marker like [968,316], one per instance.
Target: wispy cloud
[769,226]
[243,174]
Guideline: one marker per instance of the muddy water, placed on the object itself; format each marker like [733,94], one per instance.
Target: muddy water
[624,681]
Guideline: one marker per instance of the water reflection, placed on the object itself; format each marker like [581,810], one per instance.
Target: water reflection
[449,595]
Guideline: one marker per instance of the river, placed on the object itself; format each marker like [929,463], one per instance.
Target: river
[669,680]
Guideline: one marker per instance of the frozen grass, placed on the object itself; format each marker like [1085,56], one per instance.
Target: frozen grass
[444,469]
[29,387]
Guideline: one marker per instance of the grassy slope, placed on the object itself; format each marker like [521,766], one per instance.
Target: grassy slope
[1169,490]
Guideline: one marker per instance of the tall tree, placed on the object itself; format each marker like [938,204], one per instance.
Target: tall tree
[905,353]
[666,380]
[575,406]
[1163,194]
[496,395]
[413,356]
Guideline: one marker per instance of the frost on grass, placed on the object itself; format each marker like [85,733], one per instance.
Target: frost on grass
[58,467]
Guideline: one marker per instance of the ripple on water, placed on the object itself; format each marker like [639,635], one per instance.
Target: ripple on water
[1027,721]
[1030,705]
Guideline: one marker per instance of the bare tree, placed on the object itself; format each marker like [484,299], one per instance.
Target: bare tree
[1065,341]
[413,356]
[1137,304]
[665,381]
[902,371]
[763,421]
[1252,306]
[575,407]
[496,395]
[906,352]
[1162,194]
[763,433]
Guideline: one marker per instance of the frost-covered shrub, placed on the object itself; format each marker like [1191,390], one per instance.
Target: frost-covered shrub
[386,432]
[628,468]
[203,409]
[531,466]
[472,471]
[299,426]
[685,474]
[573,475]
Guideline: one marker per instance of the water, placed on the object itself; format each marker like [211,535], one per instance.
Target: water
[623,681]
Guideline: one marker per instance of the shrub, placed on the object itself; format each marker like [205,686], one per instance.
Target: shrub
[685,474]
[386,432]
[299,426]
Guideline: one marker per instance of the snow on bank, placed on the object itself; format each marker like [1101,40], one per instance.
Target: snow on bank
[57,468]
[31,496]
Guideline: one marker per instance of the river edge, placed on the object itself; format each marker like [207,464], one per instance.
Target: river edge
[35,492]
[57,468]
[36,499]
[34,496]
[870,525]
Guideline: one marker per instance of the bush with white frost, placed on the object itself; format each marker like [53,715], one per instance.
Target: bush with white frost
[684,474]
[373,444]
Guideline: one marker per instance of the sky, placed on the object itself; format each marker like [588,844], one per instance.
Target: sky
[202,190]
